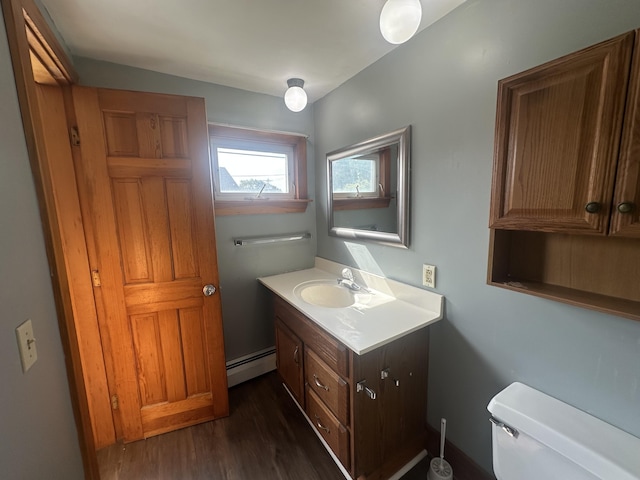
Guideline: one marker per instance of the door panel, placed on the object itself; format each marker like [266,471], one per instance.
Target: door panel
[145,168]
[626,222]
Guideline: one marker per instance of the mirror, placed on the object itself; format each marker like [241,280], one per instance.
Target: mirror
[368,189]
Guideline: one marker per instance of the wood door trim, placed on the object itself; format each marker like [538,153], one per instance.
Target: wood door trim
[45,45]
[64,300]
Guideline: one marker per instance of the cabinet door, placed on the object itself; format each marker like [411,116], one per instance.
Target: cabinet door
[557,137]
[625,218]
[289,360]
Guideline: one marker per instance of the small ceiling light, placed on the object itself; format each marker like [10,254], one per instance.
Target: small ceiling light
[295,97]
[400,19]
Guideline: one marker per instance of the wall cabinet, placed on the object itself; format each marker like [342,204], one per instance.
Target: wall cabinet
[370,409]
[557,142]
[565,214]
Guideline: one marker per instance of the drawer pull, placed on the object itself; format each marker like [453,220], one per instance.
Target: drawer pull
[295,355]
[320,426]
[318,384]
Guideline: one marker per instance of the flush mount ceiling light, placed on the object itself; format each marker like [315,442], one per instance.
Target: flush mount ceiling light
[400,19]
[295,97]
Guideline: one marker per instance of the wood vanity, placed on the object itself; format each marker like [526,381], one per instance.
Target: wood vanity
[369,407]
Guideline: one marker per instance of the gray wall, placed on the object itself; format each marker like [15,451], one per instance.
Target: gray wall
[247,326]
[443,82]
[37,432]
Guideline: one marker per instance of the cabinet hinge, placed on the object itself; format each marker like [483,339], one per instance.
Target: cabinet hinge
[115,402]
[95,278]
[75,136]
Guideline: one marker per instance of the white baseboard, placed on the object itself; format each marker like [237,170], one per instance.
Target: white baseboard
[251,366]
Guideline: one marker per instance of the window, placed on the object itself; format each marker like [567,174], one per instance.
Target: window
[363,181]
[257,172]
[356,177]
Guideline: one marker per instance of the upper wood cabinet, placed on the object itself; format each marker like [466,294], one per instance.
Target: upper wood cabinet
[565,200]
[558,146]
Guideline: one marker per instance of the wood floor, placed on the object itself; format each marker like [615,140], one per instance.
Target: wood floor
[265,437]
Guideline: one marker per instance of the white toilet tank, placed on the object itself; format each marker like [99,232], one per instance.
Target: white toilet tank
[536,437]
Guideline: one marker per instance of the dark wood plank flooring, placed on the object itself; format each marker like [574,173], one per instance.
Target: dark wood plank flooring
[265,437]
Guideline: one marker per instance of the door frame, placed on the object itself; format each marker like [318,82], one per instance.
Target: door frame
[20,15]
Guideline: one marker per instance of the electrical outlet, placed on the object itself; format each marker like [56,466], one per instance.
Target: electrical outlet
[429,276]
[26,345]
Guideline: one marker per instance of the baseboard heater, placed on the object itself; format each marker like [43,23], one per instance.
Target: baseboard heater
[250,366]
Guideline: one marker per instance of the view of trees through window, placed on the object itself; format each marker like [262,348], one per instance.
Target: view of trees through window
[355,175]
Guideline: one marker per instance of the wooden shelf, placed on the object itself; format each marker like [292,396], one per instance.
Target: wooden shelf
[260,207]
[593,301]
[599,273]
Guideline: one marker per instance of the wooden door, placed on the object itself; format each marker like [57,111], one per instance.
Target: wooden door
[146,191]
[557,137]
[625,218]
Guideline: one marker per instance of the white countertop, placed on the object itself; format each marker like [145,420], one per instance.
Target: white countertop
[394,310]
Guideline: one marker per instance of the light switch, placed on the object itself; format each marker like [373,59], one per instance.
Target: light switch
[26,345]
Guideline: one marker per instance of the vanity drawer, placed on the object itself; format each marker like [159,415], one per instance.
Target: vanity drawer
[330,350]
[327,385]
[333,432]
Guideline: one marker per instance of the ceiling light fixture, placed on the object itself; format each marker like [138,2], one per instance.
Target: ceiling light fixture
[295,97]
[400,19]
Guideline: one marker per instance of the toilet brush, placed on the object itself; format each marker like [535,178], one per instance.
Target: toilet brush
[440,468]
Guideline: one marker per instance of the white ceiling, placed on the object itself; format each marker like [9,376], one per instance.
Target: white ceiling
[253,45]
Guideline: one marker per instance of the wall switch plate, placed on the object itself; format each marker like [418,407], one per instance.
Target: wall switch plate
[26,345]
[429,276]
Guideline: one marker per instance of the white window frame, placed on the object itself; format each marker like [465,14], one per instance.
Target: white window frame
[257,146]
[375,158]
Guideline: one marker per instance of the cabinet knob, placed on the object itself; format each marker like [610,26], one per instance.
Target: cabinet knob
[593,207]
[625,207]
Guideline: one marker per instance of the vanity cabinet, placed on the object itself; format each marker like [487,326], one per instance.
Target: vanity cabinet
[289,360]
[370,409]
[565,197]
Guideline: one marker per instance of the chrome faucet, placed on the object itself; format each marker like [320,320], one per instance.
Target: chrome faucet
[347,281]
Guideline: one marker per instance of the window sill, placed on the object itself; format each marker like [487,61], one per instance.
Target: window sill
[260,207]
[360,203]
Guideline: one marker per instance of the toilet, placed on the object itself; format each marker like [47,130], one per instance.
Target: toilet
[536,437]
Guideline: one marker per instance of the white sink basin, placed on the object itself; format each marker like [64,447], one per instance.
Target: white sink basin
[325,293]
